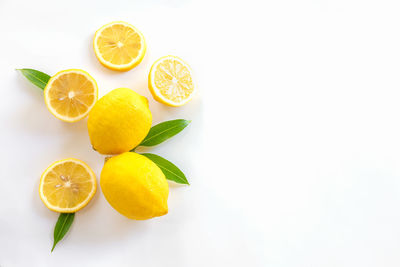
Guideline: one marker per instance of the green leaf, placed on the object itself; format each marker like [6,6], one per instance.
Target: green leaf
[63,224]
[163,131]
[170,171]
[36,77]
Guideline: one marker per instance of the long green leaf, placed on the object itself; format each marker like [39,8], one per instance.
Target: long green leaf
[170,171]
[63,224]
[36,77]
[163,131]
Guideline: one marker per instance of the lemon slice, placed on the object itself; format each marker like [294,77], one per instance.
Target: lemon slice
[119,46]
[170,81]
[67,185]
[70,94]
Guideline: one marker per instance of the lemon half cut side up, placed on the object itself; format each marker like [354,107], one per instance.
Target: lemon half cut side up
[119,46]
[70,94]
[67,185]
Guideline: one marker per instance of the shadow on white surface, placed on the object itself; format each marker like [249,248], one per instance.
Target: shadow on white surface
[29,116]
[38,206]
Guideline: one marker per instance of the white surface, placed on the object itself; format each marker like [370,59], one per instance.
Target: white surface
[293,154]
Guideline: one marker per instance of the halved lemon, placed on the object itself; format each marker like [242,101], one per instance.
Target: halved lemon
[119,46]
[170,81]
[70,94]
[67,185]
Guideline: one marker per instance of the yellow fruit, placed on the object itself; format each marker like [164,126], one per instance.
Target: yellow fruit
[119,121]
[67,185]
[70,94]
[170,81]
[135,186]
[119,46]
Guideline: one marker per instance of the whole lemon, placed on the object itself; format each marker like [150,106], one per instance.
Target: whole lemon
[135,186]
[119,121]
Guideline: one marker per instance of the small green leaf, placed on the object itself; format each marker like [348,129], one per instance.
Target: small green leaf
[36,77]
[163,131]
[170,171]
[63,224]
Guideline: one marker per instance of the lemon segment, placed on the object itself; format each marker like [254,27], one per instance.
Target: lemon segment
[70,94]
[170,81]
[67,185]
[135,186]
[119,46]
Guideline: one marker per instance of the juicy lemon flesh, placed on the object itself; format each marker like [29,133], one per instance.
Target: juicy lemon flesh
[119,44]
[67,186]
[71,95]
[173,80]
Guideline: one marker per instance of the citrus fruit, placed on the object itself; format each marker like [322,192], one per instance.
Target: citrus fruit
[170,81]
[119,46]
[67,185]
[70,94]
[119,121]
[135,186]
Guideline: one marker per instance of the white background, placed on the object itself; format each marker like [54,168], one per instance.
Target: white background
[293,153]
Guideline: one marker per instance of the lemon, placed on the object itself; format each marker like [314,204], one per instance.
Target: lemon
[170,81]
[119,121]
[135,186]
[119,46]
[70,94]
[67,185]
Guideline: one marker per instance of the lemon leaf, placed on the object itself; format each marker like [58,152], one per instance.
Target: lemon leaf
[163,131]
[170,171]
[63,224]
[36,77]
